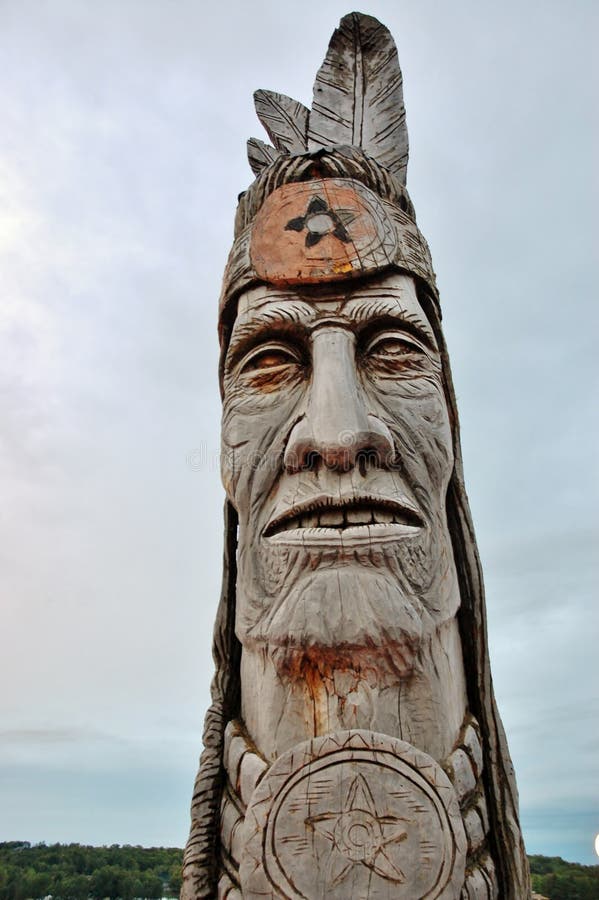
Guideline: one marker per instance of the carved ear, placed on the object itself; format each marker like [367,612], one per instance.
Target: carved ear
[358,94]
[260,155]
[285,120]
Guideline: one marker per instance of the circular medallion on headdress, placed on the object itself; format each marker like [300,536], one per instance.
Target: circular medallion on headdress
[320,231]
[353,814]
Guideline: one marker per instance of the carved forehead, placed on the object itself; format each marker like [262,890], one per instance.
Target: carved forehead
[391,295]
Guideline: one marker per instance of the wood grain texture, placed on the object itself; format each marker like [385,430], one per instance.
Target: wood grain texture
[352,593]
[322,230]
[405,853]
[260,155]
[340,162]
[358,94]
[354,814]
[285,120]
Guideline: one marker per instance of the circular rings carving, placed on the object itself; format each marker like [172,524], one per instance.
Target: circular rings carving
[321,230]
[354,814]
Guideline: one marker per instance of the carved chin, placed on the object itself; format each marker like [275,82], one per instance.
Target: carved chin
[358,613]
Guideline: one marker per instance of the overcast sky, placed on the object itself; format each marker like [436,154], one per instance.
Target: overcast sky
[122,151]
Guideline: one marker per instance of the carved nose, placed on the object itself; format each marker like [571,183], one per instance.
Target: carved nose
[336,430]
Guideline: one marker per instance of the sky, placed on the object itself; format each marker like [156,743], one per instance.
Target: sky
[122,151]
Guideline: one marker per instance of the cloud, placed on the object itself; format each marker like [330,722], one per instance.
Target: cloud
[125,126]
[49,735]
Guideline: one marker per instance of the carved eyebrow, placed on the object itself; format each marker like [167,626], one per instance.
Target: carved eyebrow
[407,323]
[293,315]
[288,317]
[378,310]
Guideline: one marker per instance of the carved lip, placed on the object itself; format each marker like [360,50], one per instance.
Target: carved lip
[326,519]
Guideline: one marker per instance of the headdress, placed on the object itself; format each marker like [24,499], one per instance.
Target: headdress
[329,203]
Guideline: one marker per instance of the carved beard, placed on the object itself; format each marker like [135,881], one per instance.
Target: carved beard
[383,599]
[330,592]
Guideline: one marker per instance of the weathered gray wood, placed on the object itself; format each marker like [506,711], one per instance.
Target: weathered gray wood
[285,120]
[353,747]
[426,707]
[358,94]
[354,814]
[260,155]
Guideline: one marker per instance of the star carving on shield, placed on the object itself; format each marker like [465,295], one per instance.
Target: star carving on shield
[320,220]
[360,836]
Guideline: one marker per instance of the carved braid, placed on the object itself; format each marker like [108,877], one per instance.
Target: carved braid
[202,849]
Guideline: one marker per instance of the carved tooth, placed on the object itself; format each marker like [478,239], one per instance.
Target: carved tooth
[331,518]
[292,523]
[310,520]
[359,516]
[383,516]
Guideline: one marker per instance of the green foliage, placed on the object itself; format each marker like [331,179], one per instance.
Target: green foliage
[77,872]
[557,879]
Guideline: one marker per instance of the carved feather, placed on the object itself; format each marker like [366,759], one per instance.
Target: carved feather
[358,94]
[285,120]
[260,155]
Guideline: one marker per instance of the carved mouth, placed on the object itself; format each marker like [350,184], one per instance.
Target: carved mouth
[358,517]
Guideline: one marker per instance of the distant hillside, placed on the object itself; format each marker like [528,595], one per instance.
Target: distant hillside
[76,872]
[556,879]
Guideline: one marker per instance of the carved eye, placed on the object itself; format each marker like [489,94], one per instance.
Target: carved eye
[394,345]
[392,352]
[269,357]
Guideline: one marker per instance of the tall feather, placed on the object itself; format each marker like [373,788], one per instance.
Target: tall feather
[260,155]
[285,120]
[358,94]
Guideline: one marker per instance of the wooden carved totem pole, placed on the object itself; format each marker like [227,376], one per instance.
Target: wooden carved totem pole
[353,748]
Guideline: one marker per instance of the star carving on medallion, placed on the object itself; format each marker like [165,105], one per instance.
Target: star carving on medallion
[360,835]
[320,220]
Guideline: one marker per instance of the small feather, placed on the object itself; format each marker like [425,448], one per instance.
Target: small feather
[260,155]
[285,120]
[358,94]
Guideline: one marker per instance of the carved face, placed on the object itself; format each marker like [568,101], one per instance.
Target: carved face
[337,455]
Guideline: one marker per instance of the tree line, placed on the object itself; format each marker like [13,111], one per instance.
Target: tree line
[556,879]
[78,872]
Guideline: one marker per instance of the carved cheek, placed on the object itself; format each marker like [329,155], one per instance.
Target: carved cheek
[431,422]
[417,415]
[253,434]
